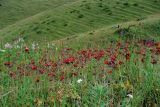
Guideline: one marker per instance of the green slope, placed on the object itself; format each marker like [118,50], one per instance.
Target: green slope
[15,10]
[147,29]
[79,17]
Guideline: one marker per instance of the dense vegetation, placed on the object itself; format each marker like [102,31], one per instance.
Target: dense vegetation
[83,53]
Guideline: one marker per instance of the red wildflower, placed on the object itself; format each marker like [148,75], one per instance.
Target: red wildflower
[110,72]
[74,73]
[27,49]
[61,78]
[158,51]
[158,45]
[75,65]
[99,54]
[12,75]
[68,49]
[51,74]
[54,69]
[48,64]
[106,62]
[113,57]
[54,65]
[127,56]
[120,62]
[84,52]
[42,71]
[33,67]
[154,61]
[69,60]
[7,63]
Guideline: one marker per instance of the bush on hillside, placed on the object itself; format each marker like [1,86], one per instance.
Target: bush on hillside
[126,4]
[80,16]
[135,4]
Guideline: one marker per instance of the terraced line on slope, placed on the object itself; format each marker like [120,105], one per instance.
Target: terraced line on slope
[15,10]
[106,30]
[94,18]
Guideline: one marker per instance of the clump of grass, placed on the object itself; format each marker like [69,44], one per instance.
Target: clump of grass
[117,2]
[140,18]
[125,33]
[74,11]
[35,28]
[106,9]
[135,4]
[126,4]
[155,1]
[53,21]
[100,5]
[38,31]
[80,16]
[110,13]
[91,20]
[88,6]
[65,24]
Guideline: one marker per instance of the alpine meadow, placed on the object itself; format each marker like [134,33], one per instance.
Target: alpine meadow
[79,53]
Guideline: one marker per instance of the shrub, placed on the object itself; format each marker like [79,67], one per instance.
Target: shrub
[155,1]
[117,2]
[100,5]
[106,9]
[87,6]
[80,16]
[74,11]
[38,32]
[47,29]
[65,24]
[110,13]
[135,4]
[141,18]
[91,20]
[126,4]
[52,21]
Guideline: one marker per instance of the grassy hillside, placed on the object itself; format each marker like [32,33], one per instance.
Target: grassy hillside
[80,53]
[78,17]
[15,10]
[148,28]
[77,71]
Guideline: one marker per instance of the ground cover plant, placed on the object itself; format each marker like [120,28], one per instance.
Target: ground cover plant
[93,76]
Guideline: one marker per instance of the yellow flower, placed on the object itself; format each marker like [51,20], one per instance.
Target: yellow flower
[39,102]
[128,85]
[51,99]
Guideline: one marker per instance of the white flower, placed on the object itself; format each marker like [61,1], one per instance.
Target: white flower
[48,45]
[33,46]
[17,46]
[8,46]
[21,40]
[79,81]
[130,96]
[2,50]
